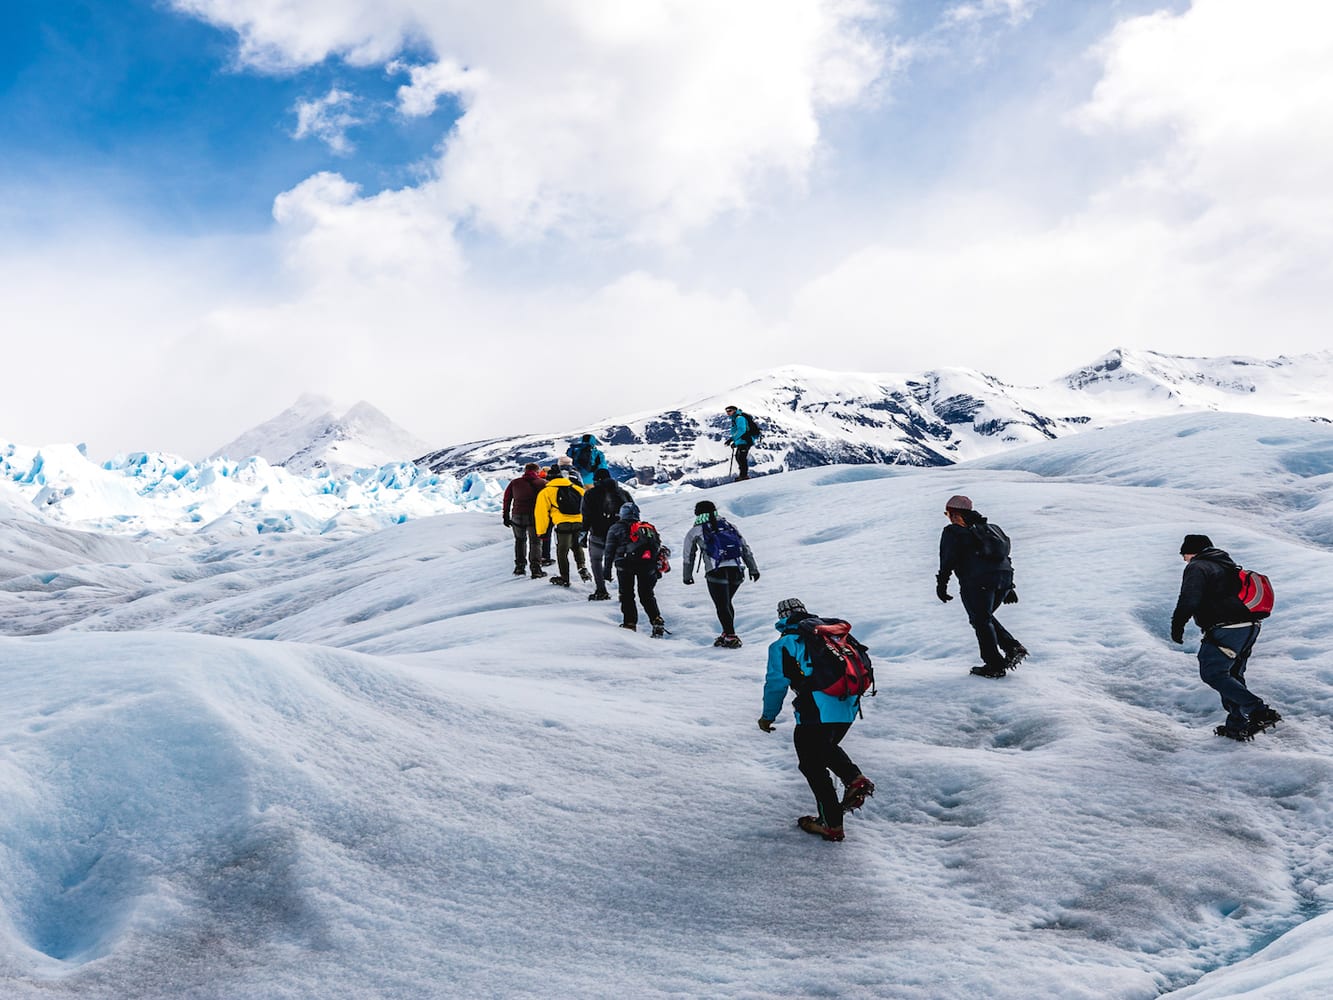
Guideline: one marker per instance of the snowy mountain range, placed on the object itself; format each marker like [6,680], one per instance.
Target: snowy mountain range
[812,417]
[311,436]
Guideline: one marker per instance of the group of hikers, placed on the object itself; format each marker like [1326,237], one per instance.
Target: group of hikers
[817,659]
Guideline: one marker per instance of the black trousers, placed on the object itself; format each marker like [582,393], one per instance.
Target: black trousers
[722,586]
[743,461]
[527,543]
[980,600]
[646,580]
[818,753]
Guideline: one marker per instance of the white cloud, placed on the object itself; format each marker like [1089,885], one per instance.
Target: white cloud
[640,121]
[328,119]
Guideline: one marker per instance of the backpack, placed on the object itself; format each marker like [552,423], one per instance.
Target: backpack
[992,543]
[1256,593]
[723,542]
[839,664]
[581,453]
[568,500]
[644,543]
[753,432]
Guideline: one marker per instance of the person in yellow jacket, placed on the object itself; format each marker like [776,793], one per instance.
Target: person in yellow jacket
[560,505]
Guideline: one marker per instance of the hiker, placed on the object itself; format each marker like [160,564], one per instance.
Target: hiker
[601,509]
[634,554]
[968,548]
[519,500]
[587,457]
[560,505]
[723,549]
[822,720]
[742,439]
[1209,592]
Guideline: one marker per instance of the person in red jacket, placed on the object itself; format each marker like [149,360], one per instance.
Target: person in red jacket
[520,499]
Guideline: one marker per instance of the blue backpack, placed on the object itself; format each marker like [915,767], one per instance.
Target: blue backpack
[723,542]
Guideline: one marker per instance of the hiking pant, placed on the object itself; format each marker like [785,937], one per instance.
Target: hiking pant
[646,578]
[743,461]
[818,753]
[980,599]
[527,543]
[722,586]
[596,553]
[1225,673]
[566,538]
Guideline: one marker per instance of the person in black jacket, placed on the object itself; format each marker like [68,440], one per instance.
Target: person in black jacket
[601,509]
[983,583]
[1209,593]
[631,571]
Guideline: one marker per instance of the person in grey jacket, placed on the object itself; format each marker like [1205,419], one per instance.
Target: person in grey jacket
[725,554]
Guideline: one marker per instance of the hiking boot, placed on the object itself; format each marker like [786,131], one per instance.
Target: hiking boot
[559,581]
[1262,718]
[630,626]
[1015,656]
[584,575]
[659,628]
[1231,734]
[985,671]
[811,824]
[728,641]
[520,571]
[537,574]
[548,562]
[599,595]
[857,792]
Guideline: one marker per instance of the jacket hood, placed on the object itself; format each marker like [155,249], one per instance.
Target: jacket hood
[1214,554]
[786,625]
[629,511]
[564,481]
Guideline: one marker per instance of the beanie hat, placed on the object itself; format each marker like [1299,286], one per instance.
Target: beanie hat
[601,474]
[629,511]
[958,502]
[791,607]
[1194,544]
[705,507]
[564,460]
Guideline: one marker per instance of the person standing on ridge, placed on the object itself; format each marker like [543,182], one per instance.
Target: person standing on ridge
[519,501]
[723,550]
[601,509]
[742,439]
[822,720]
[560,505]
[587,457]
[632,547]
[978,552]
[1209,592]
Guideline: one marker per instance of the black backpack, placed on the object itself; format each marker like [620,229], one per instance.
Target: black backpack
[582,456]
[644,544]
[993,544]
[753,432]
[568,500]
[839,663]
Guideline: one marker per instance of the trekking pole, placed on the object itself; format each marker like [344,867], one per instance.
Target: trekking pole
[732,462]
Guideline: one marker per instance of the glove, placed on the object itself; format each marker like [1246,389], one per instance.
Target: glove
[754,576]
[1178,636]
[942,592]
[689,581]
[766,725]
[1011,597]
[508,523]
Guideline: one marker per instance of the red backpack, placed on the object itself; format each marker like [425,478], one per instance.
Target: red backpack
[1256,593]
[839,664]
[644,544]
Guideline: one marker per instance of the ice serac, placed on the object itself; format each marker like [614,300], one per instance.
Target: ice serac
[310,436]
[814,417]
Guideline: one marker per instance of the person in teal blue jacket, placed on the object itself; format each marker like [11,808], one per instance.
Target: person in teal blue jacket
[822,720]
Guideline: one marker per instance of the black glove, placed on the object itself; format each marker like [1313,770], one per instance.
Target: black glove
[1178,635]
[766,725]
[942,591]
[689,581]
[754,576]
[508,523]
[1011,597]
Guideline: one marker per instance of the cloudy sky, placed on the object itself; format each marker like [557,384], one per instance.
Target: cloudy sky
[529,214]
